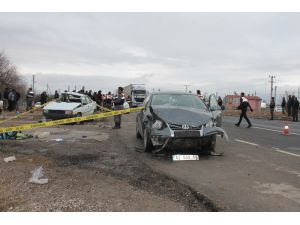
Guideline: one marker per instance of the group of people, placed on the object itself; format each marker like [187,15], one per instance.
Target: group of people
[291,106]
[107,100]
[10,98]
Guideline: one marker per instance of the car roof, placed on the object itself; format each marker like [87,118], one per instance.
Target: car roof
[73,93]
[171,92]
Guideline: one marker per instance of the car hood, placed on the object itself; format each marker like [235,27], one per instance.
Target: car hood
[178,115]
[62,105]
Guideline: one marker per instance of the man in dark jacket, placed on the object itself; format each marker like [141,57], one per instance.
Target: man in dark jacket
[290,105]
[295,109]
[44,98]
[56,95]
[283,105]
[272,108]
[244,104]
[5,98]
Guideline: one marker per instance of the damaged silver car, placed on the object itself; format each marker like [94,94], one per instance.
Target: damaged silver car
[172,120]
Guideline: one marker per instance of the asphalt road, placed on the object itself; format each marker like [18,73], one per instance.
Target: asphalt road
[260,170]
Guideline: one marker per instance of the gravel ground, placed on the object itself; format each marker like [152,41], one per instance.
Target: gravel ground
[91,170]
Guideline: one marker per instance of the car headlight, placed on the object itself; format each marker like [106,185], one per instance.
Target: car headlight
[45,110]
[157,124]
[68,112]
[210,124]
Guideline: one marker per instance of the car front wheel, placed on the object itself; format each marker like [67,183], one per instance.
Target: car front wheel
[212,143]
[79,115]
[147,142]
[137,132]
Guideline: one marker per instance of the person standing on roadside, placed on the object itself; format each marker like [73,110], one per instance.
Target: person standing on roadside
[29,99]
[283,105]
[18,96]
[272,108]
[11,100]
[5,98]
[244,104]
[295,109]
[289,105]
[118,105]
[56,95]
[44,98]
[220,101]
[199,95]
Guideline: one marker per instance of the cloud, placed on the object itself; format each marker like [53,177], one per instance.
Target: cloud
[214,52]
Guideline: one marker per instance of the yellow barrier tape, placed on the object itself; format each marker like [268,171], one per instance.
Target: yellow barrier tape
[69,120]
[26,112]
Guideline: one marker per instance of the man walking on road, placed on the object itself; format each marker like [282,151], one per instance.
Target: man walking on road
[118,105]
[244,104]
[272,108]
[295,109]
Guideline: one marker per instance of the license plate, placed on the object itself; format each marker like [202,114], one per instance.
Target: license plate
[185,157]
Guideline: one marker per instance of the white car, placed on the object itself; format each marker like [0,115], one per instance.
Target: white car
[71,104]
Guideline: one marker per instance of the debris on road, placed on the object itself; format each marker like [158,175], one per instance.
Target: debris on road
[217,153]
[41,135]
[37,175]
[58,139]
[9,159]
[21,136]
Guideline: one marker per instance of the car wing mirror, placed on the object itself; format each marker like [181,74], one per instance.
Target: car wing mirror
[149,116]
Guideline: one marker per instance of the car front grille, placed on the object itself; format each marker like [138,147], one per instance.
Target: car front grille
[56,111]
[187,134]
[179,127]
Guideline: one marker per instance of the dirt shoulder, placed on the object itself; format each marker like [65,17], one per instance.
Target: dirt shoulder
[92,169]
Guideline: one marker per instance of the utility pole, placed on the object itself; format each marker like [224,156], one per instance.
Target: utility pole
[275,93]
[186,86]
[298,93]
[272,82]
[33,81]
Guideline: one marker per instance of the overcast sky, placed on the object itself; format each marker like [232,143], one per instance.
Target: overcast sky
[214,52]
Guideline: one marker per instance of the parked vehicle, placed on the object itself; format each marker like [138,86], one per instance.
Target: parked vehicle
[71,104]
[135,94]
[173,120]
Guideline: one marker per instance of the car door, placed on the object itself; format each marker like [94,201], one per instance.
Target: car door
[215,109]
[84,107]
[89,106]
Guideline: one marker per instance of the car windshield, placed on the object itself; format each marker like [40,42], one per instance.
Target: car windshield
[180,100]
[70,98]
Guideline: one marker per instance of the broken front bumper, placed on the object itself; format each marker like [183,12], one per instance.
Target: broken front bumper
[184,138]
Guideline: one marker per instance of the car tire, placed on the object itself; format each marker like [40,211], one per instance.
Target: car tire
[147,142]
[137,132]
[79,115]
[212,143]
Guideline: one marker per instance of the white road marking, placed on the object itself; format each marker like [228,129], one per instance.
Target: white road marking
[246,142]
[289,153]
[279,131]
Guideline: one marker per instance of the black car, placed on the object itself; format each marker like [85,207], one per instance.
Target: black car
[172,120]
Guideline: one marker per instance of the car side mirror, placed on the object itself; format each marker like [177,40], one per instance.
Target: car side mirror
[149,116]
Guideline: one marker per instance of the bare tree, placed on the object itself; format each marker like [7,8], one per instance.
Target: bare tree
[8,75]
